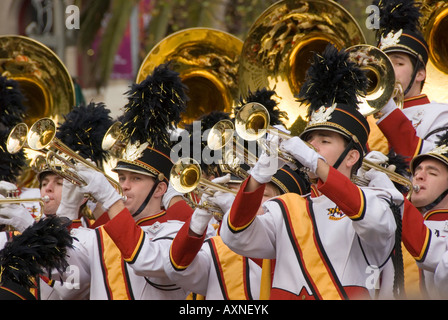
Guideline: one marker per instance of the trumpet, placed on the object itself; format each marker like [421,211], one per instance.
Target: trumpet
[114,141]
[186,177]
[220,137]
[12,198]
[252,124]
[42,137]
[393,176]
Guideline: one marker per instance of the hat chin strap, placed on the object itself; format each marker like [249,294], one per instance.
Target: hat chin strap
[437,201]
[344,154]
[148,197]
[414,74]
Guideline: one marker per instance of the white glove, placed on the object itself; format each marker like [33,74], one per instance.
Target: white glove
[71,199]
[378,179]
[169,195]
[223,200]
[16,215]
[98,186]
[297,148]
[223,180]
[6,187]
[200,218]
[386,110]
[266,167]
[377,157]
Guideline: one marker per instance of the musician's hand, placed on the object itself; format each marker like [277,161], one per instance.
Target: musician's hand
[223,200]
[297,148]
[6,187]
[266,167]
[376,157]
[98,186]
[15,215]
[378,179]
[200,218]
[71,199]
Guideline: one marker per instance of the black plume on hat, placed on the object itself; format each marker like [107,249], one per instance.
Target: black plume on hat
[396,15]
[83,130]
[264,97]
[154,107]
[42,246]
[333,78]
[12,111]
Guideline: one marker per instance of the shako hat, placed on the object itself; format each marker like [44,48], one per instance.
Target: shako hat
[399,29]
[153,111]
[332,87]
[288,180]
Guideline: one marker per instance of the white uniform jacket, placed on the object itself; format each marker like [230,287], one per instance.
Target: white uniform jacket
[342,238]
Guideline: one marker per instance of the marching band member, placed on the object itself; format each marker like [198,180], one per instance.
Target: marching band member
[414,129]
[128,247]
[324,244]
[425,220]
[210,268]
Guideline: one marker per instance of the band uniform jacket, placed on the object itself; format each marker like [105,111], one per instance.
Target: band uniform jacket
[211,269]
[326,246]
[415,129]
[103,259]
[424,237]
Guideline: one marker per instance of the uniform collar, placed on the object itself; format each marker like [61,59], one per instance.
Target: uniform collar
[415,101]
[147,221]
[436,215]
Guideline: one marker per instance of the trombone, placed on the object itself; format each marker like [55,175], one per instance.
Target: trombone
[186,177]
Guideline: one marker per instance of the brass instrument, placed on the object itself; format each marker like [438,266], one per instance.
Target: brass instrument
[207,62]
[222,137]
[114,140]
[13,198]
[186,177]
[17,138]
[434,22]
[280,44]
[381,77]
[252,124]
[43,79]
[59,157]
[393,176]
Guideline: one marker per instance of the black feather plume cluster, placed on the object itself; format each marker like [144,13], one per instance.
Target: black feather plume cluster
[84,128]
[42,246]
[332,78]
[11,103]
[12,112]
[264,97]
[154,107]
[442,139]
[396,15]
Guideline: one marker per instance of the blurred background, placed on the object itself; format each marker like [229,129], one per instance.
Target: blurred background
[103,43]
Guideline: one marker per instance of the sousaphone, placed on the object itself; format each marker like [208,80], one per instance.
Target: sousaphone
[434,23]
[43,79]
[277,51]
[207,61]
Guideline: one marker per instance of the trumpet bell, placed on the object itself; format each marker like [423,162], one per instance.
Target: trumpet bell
[280,43]
[220,134]
[17,138]
[252,121]
[185,175]
[207,62]
[41,134]
[380,74]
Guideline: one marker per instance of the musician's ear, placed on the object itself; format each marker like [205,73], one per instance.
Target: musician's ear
[352,157]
